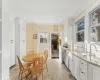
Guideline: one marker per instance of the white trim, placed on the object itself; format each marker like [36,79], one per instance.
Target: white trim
[60,52]
[38,39]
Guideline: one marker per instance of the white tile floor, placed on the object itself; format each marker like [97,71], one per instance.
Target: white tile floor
[56,71]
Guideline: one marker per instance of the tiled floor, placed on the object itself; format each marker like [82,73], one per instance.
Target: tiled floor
[57,71]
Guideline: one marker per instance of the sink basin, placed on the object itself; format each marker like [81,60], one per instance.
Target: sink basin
[94,59]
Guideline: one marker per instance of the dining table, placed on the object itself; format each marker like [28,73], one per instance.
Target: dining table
[30,57]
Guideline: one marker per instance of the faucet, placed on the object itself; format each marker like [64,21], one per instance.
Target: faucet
[91,52]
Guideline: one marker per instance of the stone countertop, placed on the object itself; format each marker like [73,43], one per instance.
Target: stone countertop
[95,62]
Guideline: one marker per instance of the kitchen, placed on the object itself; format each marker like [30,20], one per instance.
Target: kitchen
[78,22]
[82,55]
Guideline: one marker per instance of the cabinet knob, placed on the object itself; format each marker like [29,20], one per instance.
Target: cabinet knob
[23,40]
[82,63]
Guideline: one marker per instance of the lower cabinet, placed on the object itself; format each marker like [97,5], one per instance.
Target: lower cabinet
[65,58]
[94,72]
[82,73]
[80,69]
[76,67]
[63,55]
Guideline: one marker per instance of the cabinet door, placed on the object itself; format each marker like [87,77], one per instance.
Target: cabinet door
[96,73]
[71,65]
[76,67]
[66,59]
[63,55]
[93,72]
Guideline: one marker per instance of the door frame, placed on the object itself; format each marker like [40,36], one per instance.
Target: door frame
[60,55]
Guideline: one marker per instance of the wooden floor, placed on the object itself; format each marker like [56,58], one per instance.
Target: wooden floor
[57,71]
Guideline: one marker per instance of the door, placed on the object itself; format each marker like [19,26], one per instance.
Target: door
[22,38]
[22,43]
[96,73]
[12,44]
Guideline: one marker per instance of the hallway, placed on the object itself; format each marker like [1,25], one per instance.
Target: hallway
[56,71]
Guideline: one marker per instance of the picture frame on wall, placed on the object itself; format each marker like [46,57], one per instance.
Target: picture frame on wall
[34,36]
[44,37]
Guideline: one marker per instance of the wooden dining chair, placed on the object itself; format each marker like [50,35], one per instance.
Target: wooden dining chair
[24,70]
[37,67]
[45,66]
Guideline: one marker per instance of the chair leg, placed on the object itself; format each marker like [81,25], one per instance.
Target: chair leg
[19,76]
[30,76]
[47,67]
[42,75]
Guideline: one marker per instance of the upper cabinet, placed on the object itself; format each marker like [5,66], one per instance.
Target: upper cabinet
[80,27]
[94,17]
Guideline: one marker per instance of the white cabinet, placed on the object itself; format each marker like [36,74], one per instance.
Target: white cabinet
[71,63]
[94,72]
[63,55]
[76,67]
[82,73]
[83,70]
[66,59]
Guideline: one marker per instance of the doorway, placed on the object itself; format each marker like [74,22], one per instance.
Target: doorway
[55,45]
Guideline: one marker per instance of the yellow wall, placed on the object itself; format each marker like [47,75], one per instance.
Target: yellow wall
[31,44]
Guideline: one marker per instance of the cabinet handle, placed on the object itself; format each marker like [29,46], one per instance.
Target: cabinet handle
[82,72]
[82,63]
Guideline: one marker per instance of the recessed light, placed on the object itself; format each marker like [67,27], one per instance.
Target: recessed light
[60,19]
[25,18]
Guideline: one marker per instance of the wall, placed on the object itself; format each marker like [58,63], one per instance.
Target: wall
[5,39]
[35,29]
[30,30]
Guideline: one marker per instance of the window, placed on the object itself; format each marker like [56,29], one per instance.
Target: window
[44,37]
[80,26]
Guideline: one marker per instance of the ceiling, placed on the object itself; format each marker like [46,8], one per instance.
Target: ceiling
[48,11]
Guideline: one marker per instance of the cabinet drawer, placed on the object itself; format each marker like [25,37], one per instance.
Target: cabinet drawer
[83,73]
[81,79]
[83,63]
